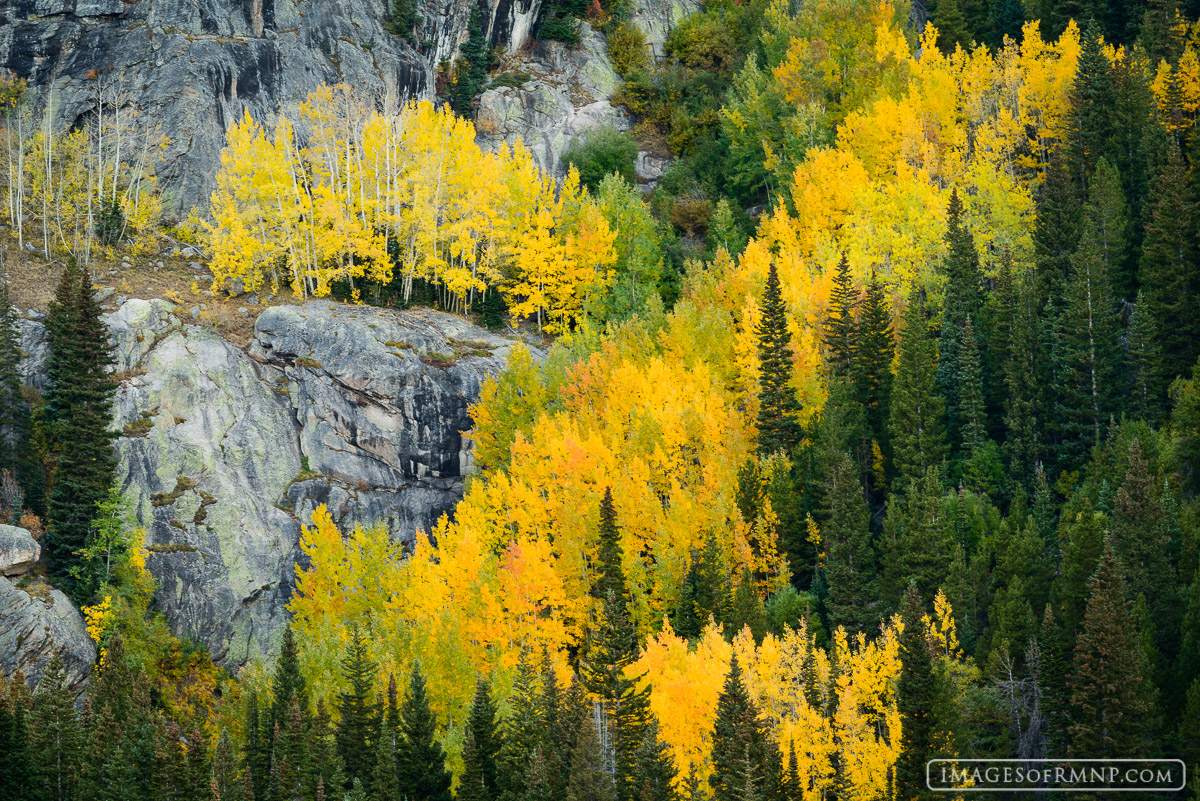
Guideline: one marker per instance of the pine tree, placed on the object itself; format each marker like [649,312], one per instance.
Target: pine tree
[712,585]
[1089,131]
[225,784]
[1056,230]
[746,609]
[613,648]
[14,737]
[470,69]
[1008,17]
[287,684]
[873,353]
[1019,364]
[591,772]
[1140,541]
[919,538]
[256,762]
[972,414]
[655,778]
[359,725]
[915,695]
[1108,215]
[1111,693]
[481,725]
[1089,355]
[850,565]
[80,408]
[951,23]
[1167,268]
[839,323]
[385,783]
[915,423]
[522,731]
[963,300]
[55,738]
[1142,362]
[470,782]
[743,755]
[423,774]
[778,426]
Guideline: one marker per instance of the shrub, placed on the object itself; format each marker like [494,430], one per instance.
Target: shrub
[512,80]
[627,49]
[601,152]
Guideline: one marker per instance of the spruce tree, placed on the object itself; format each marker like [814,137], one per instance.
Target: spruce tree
[839,333]
[470,782]
[80,407]
[612,649]
[1111,693]
[55,738]
[14,737]
[655,776]
[951,23]
[1022,441]
[873,353]
[591,771]
[915,696]
[972,414]
[743,754]
[1142,362]
[1089,131]
[423,774]
[481,726]
[1089,355]
[360,713]
[915,422]
[919,538]
[850,565]
[1168,267]
[963,300]
[470,69]
[1139,539]
[1108,215]
[746,609]
[778,426]
[287,685]
[522,731]
[1057,227]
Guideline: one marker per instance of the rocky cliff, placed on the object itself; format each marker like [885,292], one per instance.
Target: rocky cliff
[226,452]
[191,67]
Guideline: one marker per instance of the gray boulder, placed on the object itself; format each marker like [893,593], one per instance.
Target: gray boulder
[37,622]
[19,551]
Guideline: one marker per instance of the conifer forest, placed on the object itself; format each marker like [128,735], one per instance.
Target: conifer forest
[818,395]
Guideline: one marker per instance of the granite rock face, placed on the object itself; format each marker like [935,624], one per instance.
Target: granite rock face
[37,622]
[566,97]
[226,453]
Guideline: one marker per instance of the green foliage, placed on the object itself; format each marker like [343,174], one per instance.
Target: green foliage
[778,427]
[850,569]
[511,80]
[745,760]
[423,774]
[359,723]
[470,68]
[916,420]
[110,223]
[601,152]
[627,49]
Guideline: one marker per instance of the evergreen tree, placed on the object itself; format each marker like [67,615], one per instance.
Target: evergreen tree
[225,784]
[743,755]
[470,782]
[746,609]
[613,648]
[918,438]
[14,737]
[591,768]
[287,685]
[481,726]
[1107,214]
[915,697]
[655,777]
[873,353]
[972,414]
[1021,441]
[686,620]
[1091,99]
[1008,17]
[951,23]
[470,69]
[16,451]
[919,538]
[1111,693]
[385,785]
[1140,541]
[80,407]
[963,301]
[1057,228]
[423,774]
[778,426]
[850,566]
[522,731]
[1167,269]
[360,713]
[1089,354]
[54,737]
[1142,362]
[839,333]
